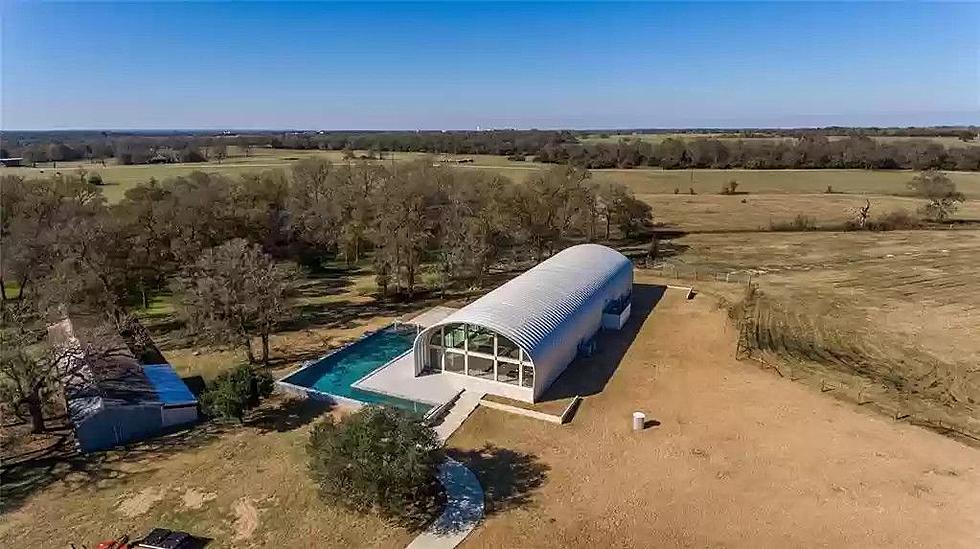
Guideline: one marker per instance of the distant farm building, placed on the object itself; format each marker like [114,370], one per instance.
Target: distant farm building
[12,162]
[125,394]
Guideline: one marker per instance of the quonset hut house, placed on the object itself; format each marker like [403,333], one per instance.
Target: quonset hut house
[516,340]
[127,394]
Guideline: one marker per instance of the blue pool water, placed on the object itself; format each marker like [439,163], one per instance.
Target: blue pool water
[334,374]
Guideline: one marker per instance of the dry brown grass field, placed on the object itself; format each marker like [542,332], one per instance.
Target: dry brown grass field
[863,334]
[889,319]
[653,181]
[243,486]
[240,486]
[714,212]
[733,456]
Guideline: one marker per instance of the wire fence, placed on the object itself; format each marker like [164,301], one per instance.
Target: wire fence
[701,273]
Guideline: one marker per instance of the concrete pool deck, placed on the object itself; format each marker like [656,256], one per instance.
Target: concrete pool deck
[397,378]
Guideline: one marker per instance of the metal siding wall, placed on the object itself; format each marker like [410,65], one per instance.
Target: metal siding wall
[118,425]
[179,415]
[563,344]
[549,309]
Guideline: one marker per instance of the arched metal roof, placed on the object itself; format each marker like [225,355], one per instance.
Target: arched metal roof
[539,309]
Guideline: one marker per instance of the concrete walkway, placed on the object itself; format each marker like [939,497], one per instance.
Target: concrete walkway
[462,408]
[464,509]
[464,495]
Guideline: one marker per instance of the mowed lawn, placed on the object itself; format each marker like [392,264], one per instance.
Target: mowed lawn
[733,455]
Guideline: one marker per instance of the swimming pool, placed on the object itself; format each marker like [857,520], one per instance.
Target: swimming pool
[334,374]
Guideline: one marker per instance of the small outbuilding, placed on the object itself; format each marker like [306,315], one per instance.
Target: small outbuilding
[516,340]
[125,394]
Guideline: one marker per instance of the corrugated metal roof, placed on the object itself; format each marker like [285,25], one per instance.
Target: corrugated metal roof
[169,387]
[531,309]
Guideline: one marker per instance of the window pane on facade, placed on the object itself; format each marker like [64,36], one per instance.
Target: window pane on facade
[435,359]
[454,336]
[507,348]
[454,362]
[528,379]
[507,372]
[481,340]
[481,367]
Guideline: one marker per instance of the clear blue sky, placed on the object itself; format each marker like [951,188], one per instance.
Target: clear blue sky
[462,65]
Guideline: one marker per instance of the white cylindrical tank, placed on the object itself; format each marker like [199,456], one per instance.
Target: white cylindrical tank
[639,418]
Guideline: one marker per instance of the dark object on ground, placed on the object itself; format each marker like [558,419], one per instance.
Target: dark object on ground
[161,538]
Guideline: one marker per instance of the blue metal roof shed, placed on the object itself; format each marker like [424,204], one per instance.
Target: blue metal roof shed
[170,389]
[116,399]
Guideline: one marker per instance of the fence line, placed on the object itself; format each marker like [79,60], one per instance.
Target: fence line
[688,272]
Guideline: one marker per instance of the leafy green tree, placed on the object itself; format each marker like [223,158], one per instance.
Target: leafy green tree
[378,460]
[233,393]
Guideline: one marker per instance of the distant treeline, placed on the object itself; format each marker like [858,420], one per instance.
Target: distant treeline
[799,148]
[965,133]
[809,151]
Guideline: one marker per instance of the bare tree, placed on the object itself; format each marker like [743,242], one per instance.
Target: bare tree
[233,293]
[218,151]
[33,367]
[862,215]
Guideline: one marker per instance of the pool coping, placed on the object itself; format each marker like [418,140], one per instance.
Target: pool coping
[323,395]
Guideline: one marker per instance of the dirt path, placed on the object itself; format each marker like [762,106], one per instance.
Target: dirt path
[740,458]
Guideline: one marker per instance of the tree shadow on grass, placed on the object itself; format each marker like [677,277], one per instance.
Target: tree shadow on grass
[25,475]
[289,415]
[509,478]
[589,375]
[351,313]
[322,284]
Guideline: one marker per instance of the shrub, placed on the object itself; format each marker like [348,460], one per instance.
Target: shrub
[233,393]
[799,223]
[517,157]
[378,460]
[895,220]
[94,179]
[941,193]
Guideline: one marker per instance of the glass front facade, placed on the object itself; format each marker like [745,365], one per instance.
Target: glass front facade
[475,351]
